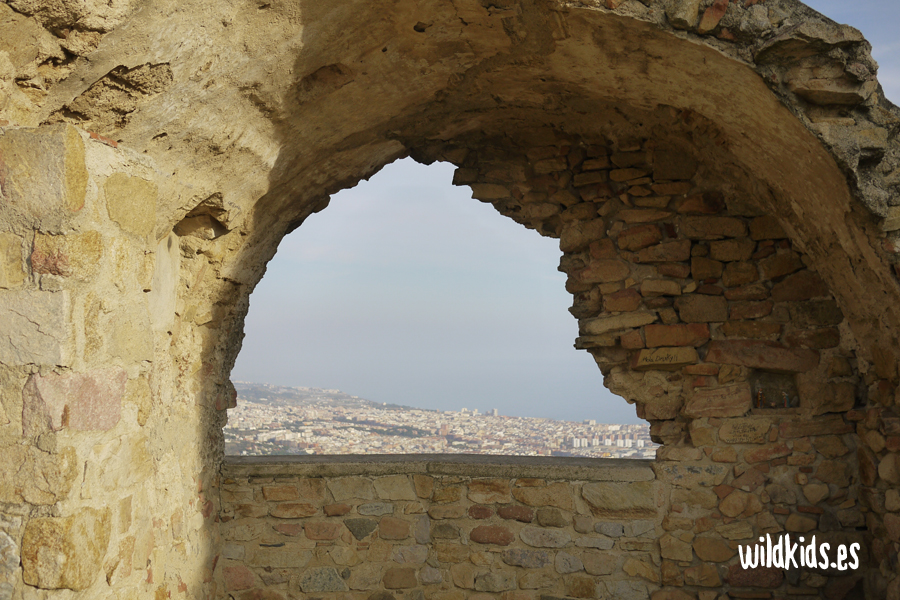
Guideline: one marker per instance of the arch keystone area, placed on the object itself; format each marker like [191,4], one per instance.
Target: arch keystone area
[723,180]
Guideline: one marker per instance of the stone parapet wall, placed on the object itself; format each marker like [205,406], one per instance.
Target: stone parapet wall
[442,528]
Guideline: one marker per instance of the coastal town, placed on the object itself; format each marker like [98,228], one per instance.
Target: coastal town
[272,419]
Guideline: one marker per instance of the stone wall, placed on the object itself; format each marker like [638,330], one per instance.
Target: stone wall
[427,527]
[723,178]
[99,492]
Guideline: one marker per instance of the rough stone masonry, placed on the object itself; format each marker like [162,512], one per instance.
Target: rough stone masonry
[724,181]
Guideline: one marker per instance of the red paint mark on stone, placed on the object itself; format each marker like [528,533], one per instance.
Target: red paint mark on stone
[207,509]
[89,401]
[104,140]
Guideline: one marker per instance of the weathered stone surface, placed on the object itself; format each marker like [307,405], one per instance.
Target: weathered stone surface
[361,528]
[292,510]
[711,228]
[131,202]
[727,401]
[740,274]
[238,577]
[604,271]
[65,552]
[651,288]
[529,559]
[350,488]
[705,268]
[766,228]
[545,538]
[669,251]
[554,494]
[702,309]
[603,325]
[35,325]
[45,175]
[711,549]
[618,500]
[744,431]
[640,236]
[566,563]
[397,578]
[694,334]
[492,534]
[394,487]
[374,509]
[690,476]
[551,517]
[770,356]
[322,579]
[663,358]
[518,513]
[675,549]
[804,285]
[622,301]
[489,491]
[495,582]
[683,14]
[89,401]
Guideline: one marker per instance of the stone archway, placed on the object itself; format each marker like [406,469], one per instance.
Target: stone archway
[659,141]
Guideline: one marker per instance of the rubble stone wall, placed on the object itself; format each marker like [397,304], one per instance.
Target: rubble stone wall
[724,179]
[427,527]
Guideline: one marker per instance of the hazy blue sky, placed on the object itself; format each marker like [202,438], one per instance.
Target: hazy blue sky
[407,290]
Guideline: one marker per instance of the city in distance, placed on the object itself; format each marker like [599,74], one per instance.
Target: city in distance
[271,419]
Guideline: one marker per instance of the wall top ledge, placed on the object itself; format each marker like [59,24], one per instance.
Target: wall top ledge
[586,469]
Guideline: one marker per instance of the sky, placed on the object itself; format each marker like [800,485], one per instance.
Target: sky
[406,290]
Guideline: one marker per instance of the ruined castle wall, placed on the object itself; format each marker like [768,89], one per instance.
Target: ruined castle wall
[723,178]
[429,527]
[101,455]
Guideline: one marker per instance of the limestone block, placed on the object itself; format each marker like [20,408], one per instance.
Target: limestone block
[766,355]
[489,491]
[671,251]
[727,401]
[75,254]
[544,538]
[12,267]
[555,494]
[36,327]
[529,559]
[9,565]
[65,552]
[617,500]
[492,534]
[131,202]
[601,325]
[45,173]
[702,309]
[664,358]
[495,582]
[322,579]
[89,401]
[744,431]
[690,476]
[694,334]
[348,488]
[163,285]
[674,548]
[395,487]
